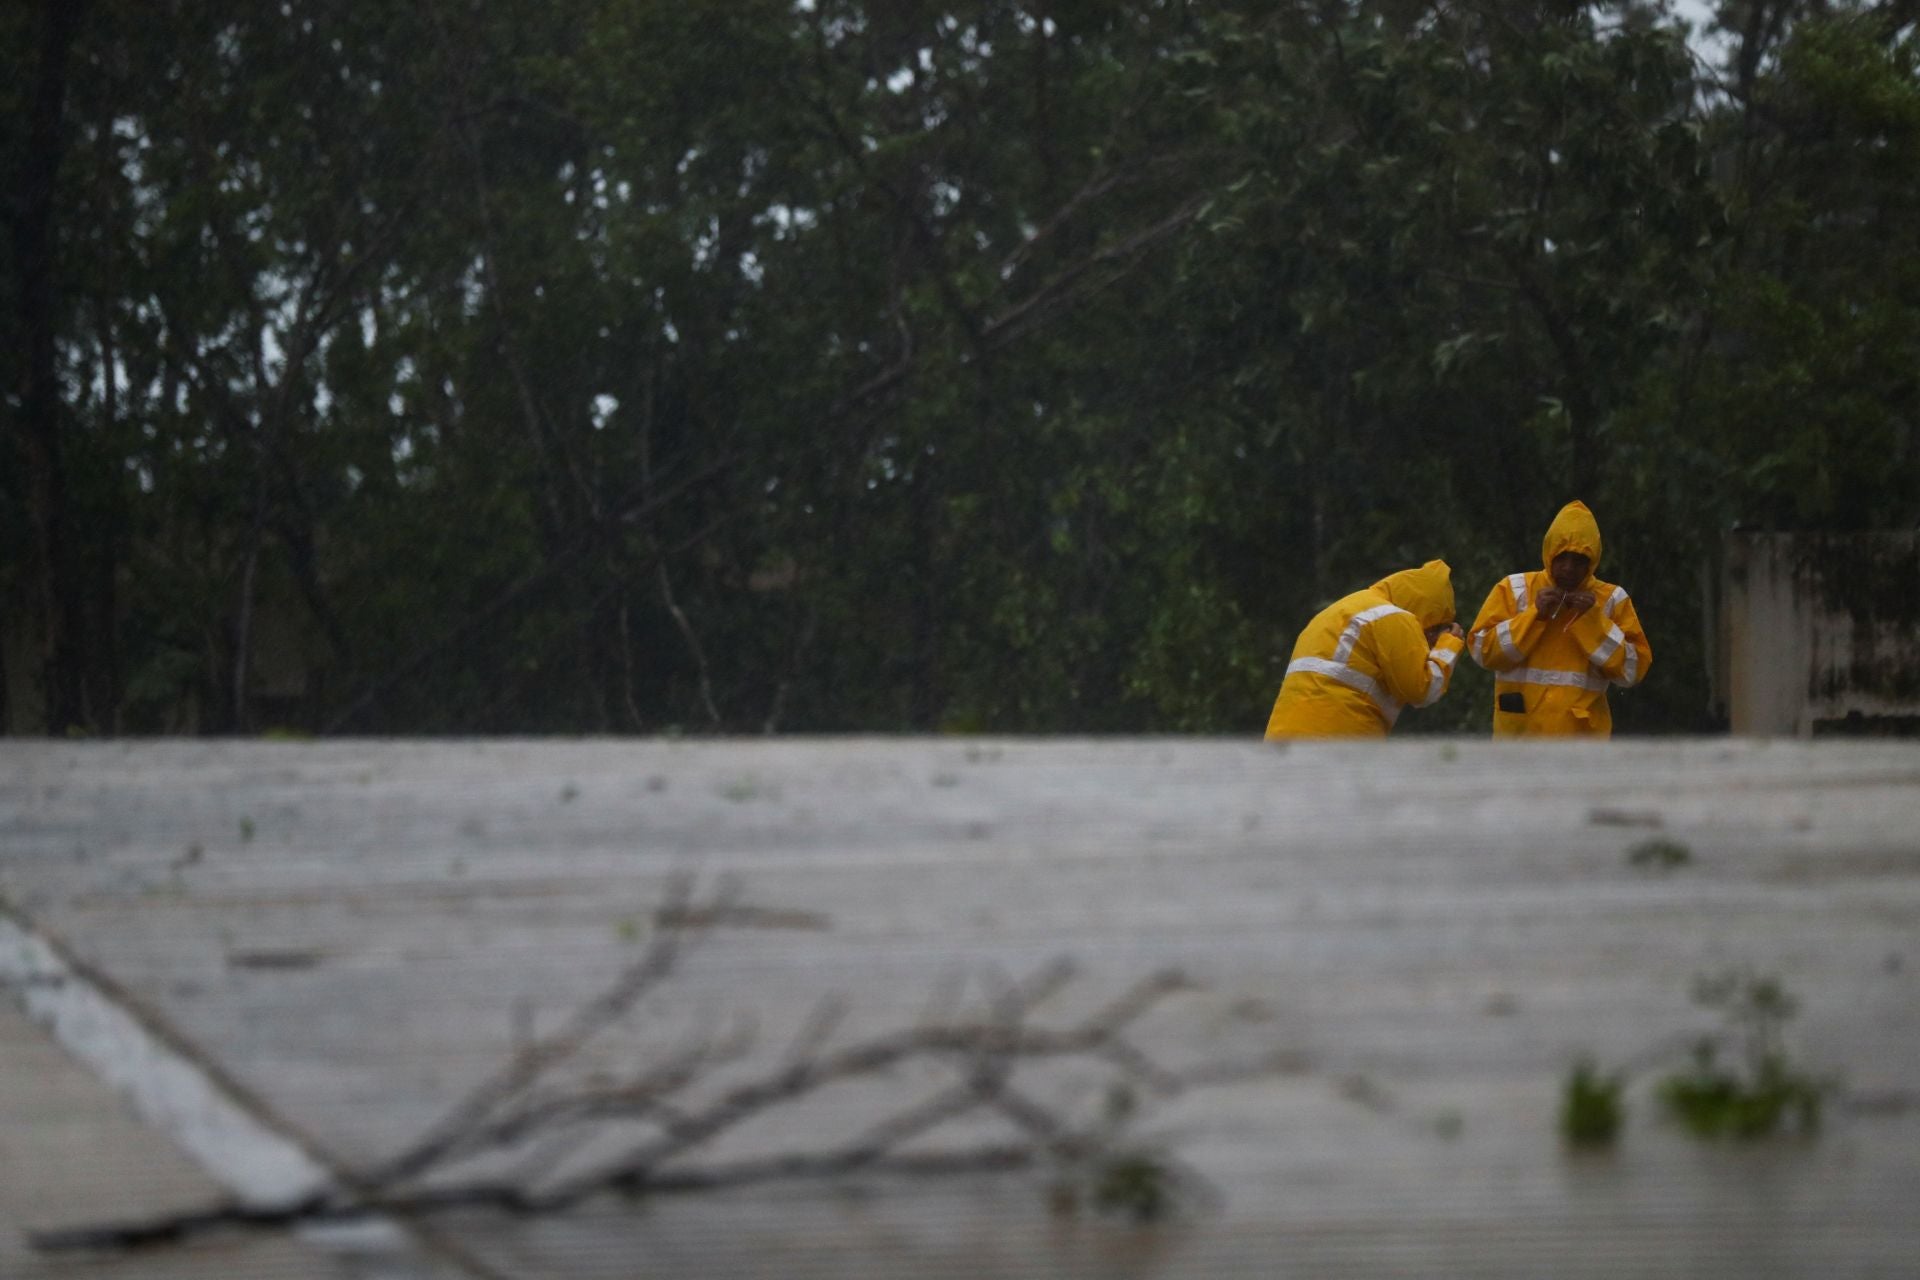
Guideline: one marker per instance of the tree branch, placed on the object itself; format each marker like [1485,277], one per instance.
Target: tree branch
[507,1114]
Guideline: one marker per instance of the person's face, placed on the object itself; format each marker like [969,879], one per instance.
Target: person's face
[1569,570]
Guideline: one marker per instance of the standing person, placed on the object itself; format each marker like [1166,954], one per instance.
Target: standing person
[1556,638]
[1366,655]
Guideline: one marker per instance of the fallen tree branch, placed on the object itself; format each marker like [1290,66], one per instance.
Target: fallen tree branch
[526,1118]
[649,971]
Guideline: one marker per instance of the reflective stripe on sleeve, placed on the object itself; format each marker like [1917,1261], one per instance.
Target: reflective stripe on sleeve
[1631,675]
[1350,636]
[1518,583]
[1614,601]
[1607,646]
[1436,682]
[1479,647]
[1504,633]
[1346,675]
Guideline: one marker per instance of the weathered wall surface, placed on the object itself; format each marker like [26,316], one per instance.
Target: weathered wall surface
[1820,634]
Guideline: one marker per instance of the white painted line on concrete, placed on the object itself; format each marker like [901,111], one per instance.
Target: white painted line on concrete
[178,1098]
[166,1090]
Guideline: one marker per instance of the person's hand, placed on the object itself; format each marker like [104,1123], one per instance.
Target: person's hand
[1451,629]
[1549,599]
[1579,601]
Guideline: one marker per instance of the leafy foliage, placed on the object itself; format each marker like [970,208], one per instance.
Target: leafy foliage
[1591,1108]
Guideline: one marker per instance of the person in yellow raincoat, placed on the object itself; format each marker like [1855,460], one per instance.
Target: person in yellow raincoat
[1556,638]
[1366,655]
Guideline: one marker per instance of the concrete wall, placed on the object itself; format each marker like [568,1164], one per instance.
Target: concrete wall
[1820,633]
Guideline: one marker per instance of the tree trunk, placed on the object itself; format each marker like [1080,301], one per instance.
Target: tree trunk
[60,597]
[923,698]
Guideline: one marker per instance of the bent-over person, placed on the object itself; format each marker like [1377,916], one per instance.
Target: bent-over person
[1367,655]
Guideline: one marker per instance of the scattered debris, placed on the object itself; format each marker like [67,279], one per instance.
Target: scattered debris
[1660,854]
[1361,1089]
[271,959]
[1603,817]
[742,789]
[742,917]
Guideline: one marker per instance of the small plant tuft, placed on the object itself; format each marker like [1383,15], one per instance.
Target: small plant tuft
[1591,1106]
[1761,1094]
[1112,1174]
[1714,1101]
[1135,1185]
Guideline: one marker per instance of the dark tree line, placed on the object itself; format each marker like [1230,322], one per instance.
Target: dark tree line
[621,366]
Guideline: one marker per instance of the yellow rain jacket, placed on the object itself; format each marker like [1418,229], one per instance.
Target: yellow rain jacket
[1365,656]
[1551,674]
